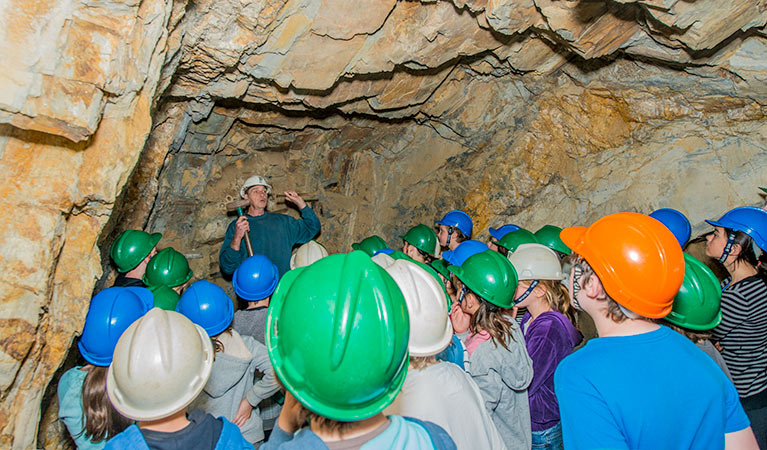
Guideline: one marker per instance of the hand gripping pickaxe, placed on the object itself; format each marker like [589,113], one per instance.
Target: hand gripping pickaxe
[237,205]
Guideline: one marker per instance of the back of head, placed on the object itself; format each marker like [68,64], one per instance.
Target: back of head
[370,245]
[548,235]
[131,247]
[423,238]
[207,305]
[637,259]
[697,304]
[161,363]
[337,335]
[167,268]
[676,222]
[463,251]
[256,278]
[430,327]
[111,312]
[514,239]
[490,276]
[308,254]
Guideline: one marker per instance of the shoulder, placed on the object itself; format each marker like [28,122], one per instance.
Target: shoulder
[439,437]
[130,438]
[72,379]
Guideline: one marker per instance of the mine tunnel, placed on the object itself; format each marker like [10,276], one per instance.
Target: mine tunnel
[150,115]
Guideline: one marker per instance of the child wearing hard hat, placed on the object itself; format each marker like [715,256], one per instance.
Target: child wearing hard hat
[550,334]
[696,309]
[496,234]
[498,361]
[639,385]
[337,335]
[131,252]
[435,390]
[152,380]
[420,243]
[230,391]
[83,404]
[739,242]
[168,268]
[455,227]
[254,282]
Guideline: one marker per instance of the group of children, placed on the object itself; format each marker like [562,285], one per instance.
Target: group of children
[448,343]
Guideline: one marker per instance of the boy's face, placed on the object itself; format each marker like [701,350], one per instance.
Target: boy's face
[442,234]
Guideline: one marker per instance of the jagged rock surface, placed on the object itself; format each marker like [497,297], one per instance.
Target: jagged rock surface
[529,111]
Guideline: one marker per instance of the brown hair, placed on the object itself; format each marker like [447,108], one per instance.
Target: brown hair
[558,299]
[218,346]
[322,423]
[492,319]
[694,335]
[614,311]
[422,362]
[101,420]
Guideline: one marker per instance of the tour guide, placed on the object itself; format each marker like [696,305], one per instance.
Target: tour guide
[272,235]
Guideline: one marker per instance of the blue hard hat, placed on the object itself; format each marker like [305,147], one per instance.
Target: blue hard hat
[208,306]
[458,219]
[256,278]
[386,251]
[498,233]
[464,250]
[110,313]
[748,219]
[674,221]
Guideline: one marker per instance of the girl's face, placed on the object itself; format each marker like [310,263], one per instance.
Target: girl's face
[442,235]
[521,288]
[715,242]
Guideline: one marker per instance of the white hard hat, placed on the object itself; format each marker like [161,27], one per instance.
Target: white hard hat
[383,260]
[307,254]
[255,180]
[430,327]
[161,363]
[536,262]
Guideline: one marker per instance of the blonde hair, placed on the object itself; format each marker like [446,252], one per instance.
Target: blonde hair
[558,299]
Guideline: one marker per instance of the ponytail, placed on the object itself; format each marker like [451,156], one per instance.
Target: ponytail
[558,298]
[492,319]
[102,421]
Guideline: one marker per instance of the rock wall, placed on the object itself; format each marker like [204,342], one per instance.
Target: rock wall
[77,85]
[147,114]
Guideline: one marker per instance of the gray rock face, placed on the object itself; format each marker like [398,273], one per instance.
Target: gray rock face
[148,114]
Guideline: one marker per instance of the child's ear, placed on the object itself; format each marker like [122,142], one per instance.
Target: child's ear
[540,290]
[594,288]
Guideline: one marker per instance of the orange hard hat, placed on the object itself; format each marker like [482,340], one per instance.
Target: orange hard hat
[637,259]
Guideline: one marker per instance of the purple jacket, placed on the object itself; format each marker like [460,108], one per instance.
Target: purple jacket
[549,338]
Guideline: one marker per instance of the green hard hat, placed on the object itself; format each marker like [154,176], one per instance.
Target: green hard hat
[489,275]
[131,247]
[548,235]
[337,334]
[697,304]
[165,298]
[167,268]
[440,265]
[371,244]
[516,238]
[423,238]
[763,190]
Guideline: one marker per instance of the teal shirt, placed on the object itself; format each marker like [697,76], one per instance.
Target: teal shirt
[272,235]
[70,391]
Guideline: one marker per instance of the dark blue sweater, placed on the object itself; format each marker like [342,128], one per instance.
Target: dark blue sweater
[272,235]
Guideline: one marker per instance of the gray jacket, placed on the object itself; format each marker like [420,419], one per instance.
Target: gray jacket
[232,379]
[503,377]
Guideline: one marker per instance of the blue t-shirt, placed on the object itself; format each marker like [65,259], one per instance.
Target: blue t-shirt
[648,391]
